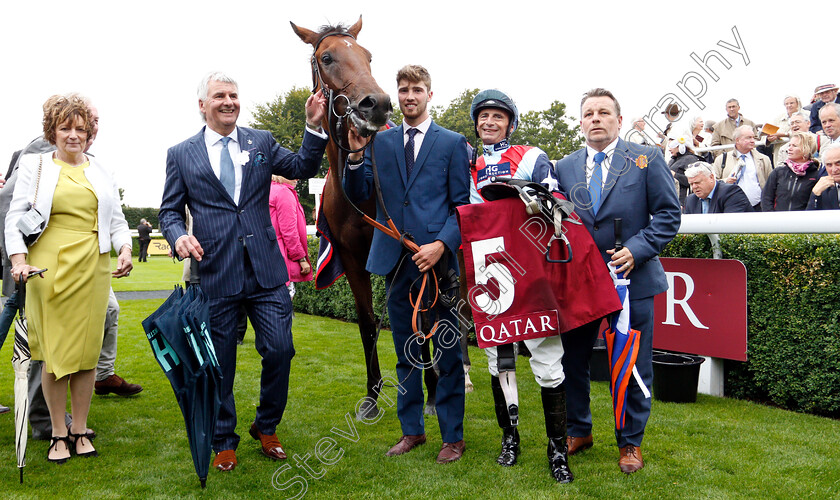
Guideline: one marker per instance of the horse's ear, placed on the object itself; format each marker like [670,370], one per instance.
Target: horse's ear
[356,28]
[308,36]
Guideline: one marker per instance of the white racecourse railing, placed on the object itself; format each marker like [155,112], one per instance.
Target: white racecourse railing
[814,221]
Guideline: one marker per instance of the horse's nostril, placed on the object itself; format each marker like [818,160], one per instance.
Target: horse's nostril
[368,103]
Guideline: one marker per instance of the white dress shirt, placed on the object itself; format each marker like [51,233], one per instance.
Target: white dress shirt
[418,137]
[213,141]
[605,165]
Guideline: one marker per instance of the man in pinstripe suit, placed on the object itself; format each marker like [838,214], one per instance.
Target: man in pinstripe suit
[223,174]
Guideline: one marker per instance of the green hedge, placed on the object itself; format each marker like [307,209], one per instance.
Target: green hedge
[337,300]
[793,301]
[792,314]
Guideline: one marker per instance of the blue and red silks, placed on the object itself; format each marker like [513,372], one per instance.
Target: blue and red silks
[622,349]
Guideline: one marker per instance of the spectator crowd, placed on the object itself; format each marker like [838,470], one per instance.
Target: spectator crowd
[738,165]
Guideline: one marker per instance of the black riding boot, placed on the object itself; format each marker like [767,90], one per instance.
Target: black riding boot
[510,436]
[554,407]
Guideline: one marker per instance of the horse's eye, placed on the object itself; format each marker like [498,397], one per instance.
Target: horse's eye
[326,58]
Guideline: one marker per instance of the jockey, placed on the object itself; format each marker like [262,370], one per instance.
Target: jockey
[496,117]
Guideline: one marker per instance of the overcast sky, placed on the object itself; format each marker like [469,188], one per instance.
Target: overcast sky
[140,62]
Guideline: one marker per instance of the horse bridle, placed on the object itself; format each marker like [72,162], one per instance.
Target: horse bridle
[334,119]
[334,124]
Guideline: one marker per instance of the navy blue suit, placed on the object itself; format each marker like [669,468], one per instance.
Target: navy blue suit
[634,190]
[242,263]
[727,198]
[827,200]
[422,205]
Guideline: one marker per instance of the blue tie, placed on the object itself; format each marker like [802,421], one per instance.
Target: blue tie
[741,171]
[595,183]
[227,174]
[409,151]
[705,203]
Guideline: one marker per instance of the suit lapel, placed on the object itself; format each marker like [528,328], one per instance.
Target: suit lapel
[428,144]
[618,165]
[198,152]
[244,136]
[579,173]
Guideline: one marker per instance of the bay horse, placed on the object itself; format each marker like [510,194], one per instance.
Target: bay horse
[341,69]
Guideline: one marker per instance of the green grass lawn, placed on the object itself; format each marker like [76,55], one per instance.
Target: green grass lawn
[715,448]
[159,273]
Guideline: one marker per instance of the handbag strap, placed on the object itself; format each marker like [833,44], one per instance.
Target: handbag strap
[38,180]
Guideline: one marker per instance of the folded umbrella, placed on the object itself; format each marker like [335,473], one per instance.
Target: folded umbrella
[179,335]
[20,362]
[622,344]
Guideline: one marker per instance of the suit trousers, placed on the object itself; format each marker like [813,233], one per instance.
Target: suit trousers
[578,345]
[449,400]
[270,312]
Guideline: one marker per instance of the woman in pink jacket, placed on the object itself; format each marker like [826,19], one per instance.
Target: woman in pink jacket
[290,226]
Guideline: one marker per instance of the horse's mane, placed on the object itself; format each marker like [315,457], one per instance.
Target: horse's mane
[327,29]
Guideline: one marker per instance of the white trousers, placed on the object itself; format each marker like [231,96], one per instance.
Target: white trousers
[546,360]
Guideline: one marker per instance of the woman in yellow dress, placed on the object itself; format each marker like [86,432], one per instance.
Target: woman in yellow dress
[65,310]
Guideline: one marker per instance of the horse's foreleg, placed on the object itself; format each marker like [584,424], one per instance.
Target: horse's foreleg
[363,295]
[430,377]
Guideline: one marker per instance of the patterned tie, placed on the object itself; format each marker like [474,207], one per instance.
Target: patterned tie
[741,171]
[228,174]
[595,183]
[705,203]
[409,151]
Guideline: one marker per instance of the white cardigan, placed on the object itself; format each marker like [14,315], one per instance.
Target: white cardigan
[109,210]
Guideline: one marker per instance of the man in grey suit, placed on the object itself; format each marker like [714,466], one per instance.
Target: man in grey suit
[223,174]
[611,179]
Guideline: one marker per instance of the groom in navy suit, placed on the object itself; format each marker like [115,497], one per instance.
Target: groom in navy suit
[223,174]
[611,179]
[424,175]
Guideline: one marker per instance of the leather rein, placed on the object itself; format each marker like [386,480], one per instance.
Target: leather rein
[335,124]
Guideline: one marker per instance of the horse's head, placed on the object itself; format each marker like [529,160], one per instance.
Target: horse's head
[340,64]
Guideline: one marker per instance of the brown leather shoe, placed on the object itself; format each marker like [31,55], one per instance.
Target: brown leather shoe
[270,445]
[406,444]
[225,460]
[577,444]
[115,384]
[451,452]
[630,459]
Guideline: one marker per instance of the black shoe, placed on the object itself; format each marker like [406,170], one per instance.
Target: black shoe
[558,460]
[77,438]
[54,441]
[510,447]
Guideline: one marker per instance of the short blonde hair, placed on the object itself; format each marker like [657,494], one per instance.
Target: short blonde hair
[414,73]
[807,144]
[60,108]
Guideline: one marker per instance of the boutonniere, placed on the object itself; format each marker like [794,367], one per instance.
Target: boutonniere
[259,159]
[642,161]
[243,157]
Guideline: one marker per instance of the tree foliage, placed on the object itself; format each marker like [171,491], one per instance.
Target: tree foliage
[456,116]
[550,130]
[285,118]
